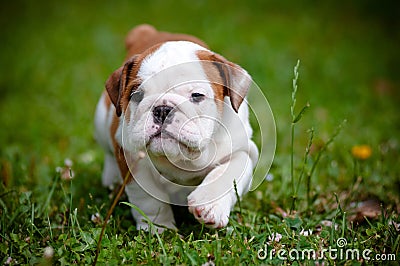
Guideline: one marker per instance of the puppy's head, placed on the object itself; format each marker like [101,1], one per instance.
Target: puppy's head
[171,98]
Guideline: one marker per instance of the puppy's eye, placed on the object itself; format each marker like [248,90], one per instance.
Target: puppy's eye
[137,95]
[197,97]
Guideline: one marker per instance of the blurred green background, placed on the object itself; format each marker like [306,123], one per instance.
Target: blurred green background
[56,56]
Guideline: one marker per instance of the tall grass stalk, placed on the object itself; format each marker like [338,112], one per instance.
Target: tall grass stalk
[295,119]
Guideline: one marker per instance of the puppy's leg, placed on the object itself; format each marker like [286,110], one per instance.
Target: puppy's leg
[158,212]
[212,201]
[111,174]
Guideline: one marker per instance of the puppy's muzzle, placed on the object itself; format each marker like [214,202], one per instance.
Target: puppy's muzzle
[162,114]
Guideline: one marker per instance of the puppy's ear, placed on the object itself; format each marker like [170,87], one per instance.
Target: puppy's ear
[235,79]
[117,82]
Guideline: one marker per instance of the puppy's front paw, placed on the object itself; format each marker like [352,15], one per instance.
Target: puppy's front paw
[214,214]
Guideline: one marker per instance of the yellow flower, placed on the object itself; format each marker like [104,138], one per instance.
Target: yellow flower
[361,152]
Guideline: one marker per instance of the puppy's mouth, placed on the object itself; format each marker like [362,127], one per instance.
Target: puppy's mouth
[163,135]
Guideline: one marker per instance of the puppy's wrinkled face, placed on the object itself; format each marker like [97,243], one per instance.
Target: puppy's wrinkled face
[173,110]
[172,113]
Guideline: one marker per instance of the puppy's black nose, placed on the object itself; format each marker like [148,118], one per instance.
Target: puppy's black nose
[160,114]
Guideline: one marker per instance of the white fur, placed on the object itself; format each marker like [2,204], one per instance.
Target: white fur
[171,54]
[201,156]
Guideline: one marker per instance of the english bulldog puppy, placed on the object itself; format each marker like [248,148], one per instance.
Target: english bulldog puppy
[174,117]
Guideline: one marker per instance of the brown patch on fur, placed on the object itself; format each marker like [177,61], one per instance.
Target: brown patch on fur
[233,80]
[214,75]
[113,88]
[144,36]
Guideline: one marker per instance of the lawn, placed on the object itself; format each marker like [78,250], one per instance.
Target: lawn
[345,180]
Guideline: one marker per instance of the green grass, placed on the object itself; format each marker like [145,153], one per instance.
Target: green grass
[55,58]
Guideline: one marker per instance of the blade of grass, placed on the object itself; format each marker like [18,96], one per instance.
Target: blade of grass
[237,197]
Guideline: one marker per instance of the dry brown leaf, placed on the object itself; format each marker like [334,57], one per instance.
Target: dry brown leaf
[370,209]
